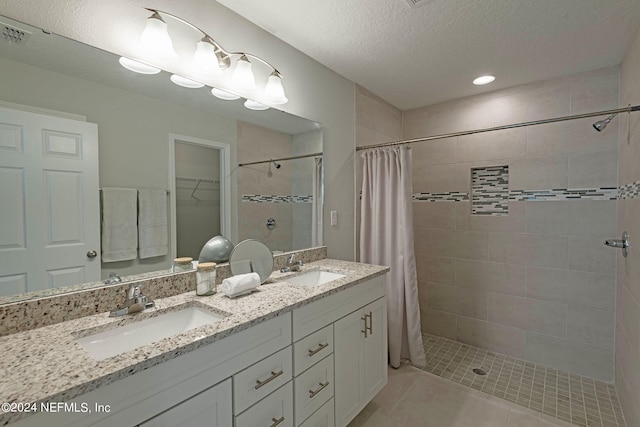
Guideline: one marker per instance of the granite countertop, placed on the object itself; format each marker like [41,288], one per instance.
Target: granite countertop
[48,364]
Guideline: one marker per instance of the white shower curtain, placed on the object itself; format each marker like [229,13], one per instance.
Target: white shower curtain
[386,238]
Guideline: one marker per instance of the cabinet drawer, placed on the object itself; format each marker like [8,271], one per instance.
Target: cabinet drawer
[313,388]
[257,381]
[212,408]
[274,410]
[311,349]
[323,417]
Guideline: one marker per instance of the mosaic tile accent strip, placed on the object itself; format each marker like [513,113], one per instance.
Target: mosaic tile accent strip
[265,198]
[629,191]
[490,191]
[453,196]
[578,400]
[604,193]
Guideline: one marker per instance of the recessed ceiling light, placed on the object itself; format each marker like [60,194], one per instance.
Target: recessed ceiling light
[483,80]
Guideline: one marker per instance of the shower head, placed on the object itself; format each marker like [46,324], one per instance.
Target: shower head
[600,125]
[277,165]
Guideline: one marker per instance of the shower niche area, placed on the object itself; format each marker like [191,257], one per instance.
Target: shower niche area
[509,228]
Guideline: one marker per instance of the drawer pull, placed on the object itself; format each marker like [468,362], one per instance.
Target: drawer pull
[370,327]
[312,393]
[320,347]
[276,422]
[273,376]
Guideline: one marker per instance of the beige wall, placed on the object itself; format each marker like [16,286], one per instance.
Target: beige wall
[627,342]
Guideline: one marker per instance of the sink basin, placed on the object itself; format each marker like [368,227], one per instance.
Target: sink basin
[315,278]
[103,345]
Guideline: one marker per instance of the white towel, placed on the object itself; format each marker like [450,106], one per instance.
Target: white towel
[153,228]
[240,284]
[119,236]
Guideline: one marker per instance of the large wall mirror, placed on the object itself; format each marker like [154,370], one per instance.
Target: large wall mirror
[151,134]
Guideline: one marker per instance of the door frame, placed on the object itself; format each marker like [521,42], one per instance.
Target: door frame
[225,183]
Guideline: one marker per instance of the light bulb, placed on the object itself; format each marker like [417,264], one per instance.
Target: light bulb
[243,77]
[274,92]
[253,105]
[155,41]
[205,61]
[223,94]
[137,67]
[185,82]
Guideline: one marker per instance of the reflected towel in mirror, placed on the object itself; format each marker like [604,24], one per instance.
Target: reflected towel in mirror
[153,229]
[119,222]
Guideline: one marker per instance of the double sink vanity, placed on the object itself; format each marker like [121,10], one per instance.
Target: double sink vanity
[307,348]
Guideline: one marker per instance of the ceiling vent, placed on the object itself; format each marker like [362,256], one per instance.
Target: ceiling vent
[417,3]
[14,35]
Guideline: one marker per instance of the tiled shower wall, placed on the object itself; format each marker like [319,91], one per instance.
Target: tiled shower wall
[538,283]
[256,143]
[627,342]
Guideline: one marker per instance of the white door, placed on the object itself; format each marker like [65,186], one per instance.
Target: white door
[49,202]
[211,408]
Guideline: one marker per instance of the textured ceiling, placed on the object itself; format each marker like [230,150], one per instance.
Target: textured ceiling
[413,57]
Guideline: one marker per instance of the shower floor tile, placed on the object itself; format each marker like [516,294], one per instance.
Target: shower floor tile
[578,400]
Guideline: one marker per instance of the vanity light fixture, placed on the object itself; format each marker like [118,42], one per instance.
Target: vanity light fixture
[274,91]
[185,82]
[483,80]
[208,64]
[223,94]
[253,105]
[155,40]
[137,66]
[243,77]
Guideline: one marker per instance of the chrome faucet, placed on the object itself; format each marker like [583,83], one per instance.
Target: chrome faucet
[134,303]
[113,279]
[292,264]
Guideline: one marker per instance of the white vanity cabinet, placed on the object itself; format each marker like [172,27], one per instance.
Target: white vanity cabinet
[178,391]
[360,359]
[315,366]
[333,330]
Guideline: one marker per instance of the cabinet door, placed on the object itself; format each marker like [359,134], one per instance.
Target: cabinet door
[349,366]
[375,349]
[211,408]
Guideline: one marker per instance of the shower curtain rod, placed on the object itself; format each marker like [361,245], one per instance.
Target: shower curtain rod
[515,125]
[302,156]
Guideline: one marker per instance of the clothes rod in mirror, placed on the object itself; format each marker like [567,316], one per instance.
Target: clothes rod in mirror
[599,126]
[302,156]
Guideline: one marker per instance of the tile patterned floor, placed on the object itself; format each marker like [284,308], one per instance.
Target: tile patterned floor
[572,398]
